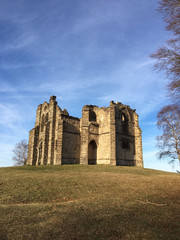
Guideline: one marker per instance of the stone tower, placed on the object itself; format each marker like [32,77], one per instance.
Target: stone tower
[106,135]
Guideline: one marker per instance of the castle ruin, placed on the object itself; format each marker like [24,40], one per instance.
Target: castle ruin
[104,135]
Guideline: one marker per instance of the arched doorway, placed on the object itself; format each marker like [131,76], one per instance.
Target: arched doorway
[92,153]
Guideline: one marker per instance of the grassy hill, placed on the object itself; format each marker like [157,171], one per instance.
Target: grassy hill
[88,202]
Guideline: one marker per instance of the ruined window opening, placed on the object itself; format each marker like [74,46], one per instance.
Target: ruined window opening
[46,120]
[39,153]
[125,145]
[92,116]
[56,145]
[124,118]
[92,153]
[42,124]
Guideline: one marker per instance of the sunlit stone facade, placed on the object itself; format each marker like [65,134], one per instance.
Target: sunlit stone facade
[104,135]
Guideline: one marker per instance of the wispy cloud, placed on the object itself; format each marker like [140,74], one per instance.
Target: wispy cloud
[145,63]
[149,123]
[22,42]
[17,65]
[6,87]
[9,116]
[84,52]
[102,13]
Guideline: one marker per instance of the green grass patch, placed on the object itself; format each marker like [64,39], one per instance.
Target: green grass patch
[88,202]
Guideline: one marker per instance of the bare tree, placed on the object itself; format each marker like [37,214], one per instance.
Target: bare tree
[169,141]
[168,60]
[20,153]
[168,56]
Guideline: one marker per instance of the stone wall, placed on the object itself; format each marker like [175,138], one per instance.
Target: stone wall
[103,152]
[71,140]
[106,135]
[125,139]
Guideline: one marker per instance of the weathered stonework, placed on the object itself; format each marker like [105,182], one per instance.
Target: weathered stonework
[106,135]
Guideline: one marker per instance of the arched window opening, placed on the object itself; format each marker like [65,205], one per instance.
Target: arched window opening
[124,118]
[92,153]
[92,116]
[124,121]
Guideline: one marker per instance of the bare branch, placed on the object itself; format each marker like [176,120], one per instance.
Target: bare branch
[168,56]
[169,141]
[20,153]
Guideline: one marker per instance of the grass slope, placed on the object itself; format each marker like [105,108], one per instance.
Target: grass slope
[88,202]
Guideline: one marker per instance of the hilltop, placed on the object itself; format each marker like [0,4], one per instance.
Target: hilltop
[88,202]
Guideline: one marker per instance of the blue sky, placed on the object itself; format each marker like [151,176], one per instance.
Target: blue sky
[84,52]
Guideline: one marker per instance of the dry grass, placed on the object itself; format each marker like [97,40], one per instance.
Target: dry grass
[88,202]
